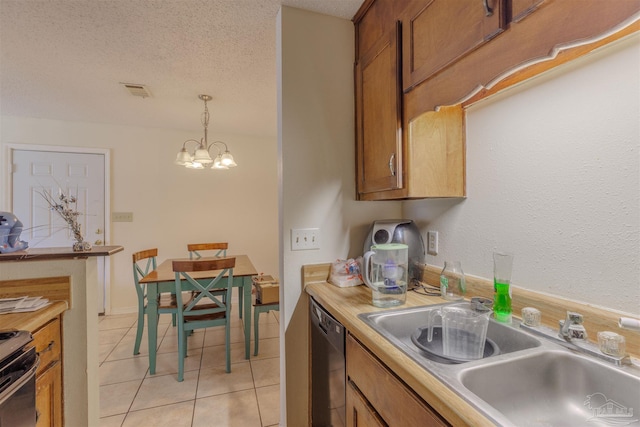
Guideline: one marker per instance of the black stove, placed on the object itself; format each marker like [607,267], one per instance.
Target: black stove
[18,365]
[12,341]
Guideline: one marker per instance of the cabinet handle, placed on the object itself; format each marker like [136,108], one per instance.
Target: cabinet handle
[488,10]
[48,348]
[392,164]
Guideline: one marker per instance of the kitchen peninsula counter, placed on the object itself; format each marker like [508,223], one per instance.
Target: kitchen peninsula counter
[345,304]
[79,322]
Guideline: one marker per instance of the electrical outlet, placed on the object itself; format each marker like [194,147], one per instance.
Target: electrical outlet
[303,239]
[432,242]
[122,216]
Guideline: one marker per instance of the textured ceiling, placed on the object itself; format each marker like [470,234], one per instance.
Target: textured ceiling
[64,60]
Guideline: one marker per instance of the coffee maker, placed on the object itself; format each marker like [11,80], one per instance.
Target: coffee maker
[399,231]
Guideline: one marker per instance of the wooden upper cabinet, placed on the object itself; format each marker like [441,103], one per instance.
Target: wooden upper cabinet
[375,20]
[520,9]
[544,30]
[379,116]
[432,38]
[419,63]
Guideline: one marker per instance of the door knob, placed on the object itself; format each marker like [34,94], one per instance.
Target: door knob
[99,231]
[98,242]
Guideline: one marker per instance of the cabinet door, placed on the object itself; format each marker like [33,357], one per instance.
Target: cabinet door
[520,9]
[437,33]
[359,411]
[379,117]
[49,397]
[394,402]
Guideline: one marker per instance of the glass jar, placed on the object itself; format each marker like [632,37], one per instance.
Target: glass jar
[452,283]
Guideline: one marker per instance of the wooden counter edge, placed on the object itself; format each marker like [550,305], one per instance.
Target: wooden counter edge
[32,320]
[42,254]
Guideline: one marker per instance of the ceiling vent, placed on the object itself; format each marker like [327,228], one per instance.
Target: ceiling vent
[137,90]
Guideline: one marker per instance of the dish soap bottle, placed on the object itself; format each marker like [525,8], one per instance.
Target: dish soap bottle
[452,283]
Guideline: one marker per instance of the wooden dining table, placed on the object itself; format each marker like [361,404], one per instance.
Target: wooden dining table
[162,279]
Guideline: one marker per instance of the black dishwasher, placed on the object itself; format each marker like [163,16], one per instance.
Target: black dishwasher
[327,368]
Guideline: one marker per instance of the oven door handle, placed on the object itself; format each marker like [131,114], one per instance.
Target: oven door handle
[20,382]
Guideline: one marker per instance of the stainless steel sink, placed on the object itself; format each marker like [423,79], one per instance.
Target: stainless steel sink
[398,325]
[556,388]
[531,382]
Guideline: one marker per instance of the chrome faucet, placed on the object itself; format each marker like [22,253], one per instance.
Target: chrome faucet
[571,328]
[573,336]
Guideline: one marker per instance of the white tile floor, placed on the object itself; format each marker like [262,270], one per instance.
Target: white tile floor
[249,396]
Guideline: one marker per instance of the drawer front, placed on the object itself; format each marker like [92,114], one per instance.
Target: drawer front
[390,397]
[48,344]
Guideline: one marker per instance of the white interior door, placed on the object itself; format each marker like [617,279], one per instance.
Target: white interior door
[76,174]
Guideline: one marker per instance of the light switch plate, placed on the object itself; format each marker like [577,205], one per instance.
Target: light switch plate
[303,239]
[122,216]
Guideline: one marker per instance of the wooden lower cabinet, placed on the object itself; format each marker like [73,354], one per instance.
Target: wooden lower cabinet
[47,340]
[49,396]
[360,413]
[376,397]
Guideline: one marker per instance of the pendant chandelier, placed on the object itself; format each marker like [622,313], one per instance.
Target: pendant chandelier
[201,156]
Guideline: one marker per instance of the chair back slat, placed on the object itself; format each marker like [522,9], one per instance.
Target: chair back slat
[207,264]
[148,253]
[195,248]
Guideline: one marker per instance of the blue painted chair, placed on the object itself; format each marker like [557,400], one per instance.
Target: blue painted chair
[143,263]
[195,248]
[220,249]
[207,309]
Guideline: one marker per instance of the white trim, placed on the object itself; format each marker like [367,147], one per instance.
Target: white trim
[124,310]
[107,194]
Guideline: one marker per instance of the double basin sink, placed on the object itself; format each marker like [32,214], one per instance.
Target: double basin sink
[532,381]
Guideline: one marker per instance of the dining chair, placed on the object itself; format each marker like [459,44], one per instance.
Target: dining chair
[195,248]
[221,250]
[207,309]
[143,263]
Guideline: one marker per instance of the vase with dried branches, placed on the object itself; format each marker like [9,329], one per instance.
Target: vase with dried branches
[66,207]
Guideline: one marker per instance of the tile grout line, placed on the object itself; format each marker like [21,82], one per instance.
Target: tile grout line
[201,349]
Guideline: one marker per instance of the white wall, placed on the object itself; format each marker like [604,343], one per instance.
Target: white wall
[317,147]
[171,205]
[553,175]
[317,174]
